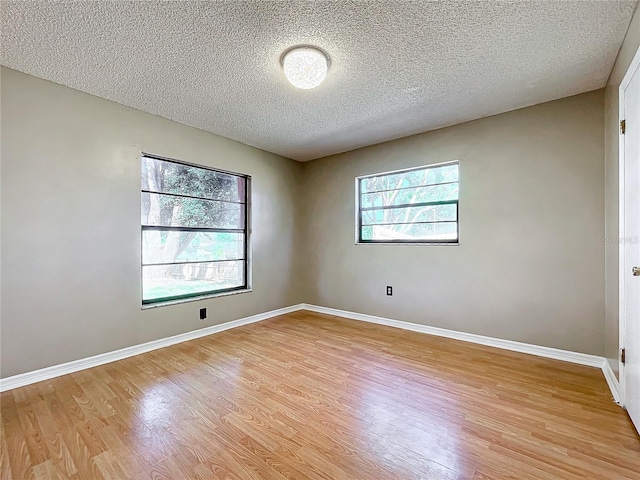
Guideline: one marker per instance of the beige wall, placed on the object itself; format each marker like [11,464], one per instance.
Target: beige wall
[530,264]
[627,51]
[71,225]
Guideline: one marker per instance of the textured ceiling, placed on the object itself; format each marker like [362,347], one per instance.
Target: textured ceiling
[397,68]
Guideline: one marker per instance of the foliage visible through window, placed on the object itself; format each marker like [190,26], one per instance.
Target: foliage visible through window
[194,231]
[419,205]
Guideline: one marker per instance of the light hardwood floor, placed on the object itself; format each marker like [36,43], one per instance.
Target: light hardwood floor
[310,396]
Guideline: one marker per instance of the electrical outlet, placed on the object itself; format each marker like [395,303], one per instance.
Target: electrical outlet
[389,290]
[203,313]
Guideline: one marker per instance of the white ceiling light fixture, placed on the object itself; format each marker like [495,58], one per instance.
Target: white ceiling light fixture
[305,67]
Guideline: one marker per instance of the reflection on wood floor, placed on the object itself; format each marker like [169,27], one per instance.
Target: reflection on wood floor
[310,396]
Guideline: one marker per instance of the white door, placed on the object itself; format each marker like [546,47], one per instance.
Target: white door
[630,141]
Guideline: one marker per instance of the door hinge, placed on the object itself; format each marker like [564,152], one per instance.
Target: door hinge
[623,355]
[623,126]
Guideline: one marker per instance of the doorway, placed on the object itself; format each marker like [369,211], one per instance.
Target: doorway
[629,101]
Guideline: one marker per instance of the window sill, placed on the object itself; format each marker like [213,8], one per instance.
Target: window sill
[195,299]
[418,244]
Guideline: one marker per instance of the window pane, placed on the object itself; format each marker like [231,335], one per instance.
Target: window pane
[432,193]
[408,215]
[162,246]
[411,233]
[193,278]
[167,211]
[413,178]
[169,177]
[391,210]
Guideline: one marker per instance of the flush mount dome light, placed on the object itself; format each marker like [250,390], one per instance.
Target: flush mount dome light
[305,67]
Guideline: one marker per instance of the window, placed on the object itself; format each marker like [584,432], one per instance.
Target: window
[418,205]
[194,230]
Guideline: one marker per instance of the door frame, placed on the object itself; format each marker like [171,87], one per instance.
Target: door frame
[622,274]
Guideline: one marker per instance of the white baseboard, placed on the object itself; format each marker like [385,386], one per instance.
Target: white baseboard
[547,352]
[63,369]
[612,381]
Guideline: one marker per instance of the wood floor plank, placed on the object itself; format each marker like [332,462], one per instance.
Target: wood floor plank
[5,470]
[308,396]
